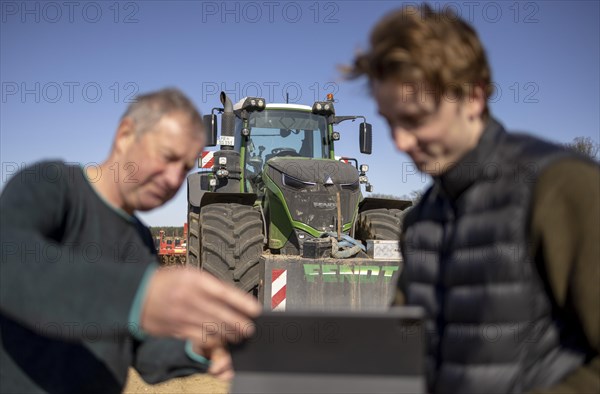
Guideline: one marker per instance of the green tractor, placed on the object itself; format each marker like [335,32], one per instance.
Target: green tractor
[275,213]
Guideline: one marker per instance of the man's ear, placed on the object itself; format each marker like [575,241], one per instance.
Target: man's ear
[125,136]
[475,103]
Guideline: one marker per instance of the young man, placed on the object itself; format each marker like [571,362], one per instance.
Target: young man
[81,296]
[502,251]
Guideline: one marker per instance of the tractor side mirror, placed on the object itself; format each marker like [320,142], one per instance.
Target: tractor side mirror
[210,128]
[366,138]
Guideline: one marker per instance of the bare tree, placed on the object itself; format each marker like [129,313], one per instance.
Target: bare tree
[585,146]
[413,196]
[416,195]
[386,196]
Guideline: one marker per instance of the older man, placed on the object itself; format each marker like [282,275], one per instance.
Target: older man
[82,297]
[502,251]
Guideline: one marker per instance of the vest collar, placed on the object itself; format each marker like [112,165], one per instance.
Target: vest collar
[459,178]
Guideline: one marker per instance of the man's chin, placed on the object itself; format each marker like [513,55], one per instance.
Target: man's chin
[427,167]
[433,168]
[150,203]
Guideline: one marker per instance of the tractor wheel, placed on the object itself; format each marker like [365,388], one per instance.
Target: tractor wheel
[231,243]
[379,224]
[193,241]
[401,214]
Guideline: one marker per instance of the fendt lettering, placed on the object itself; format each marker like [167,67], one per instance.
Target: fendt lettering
[340,273]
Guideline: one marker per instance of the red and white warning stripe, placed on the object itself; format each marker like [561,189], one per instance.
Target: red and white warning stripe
[278,289]
[208,159]
[343,161]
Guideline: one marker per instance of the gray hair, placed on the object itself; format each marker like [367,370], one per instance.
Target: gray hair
[147,109]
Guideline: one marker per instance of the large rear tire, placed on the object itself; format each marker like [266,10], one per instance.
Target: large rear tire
[401,215]
[193,241]
[379,224]
[230,243]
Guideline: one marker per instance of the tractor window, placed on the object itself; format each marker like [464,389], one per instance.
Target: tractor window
[287,133]
[276,133]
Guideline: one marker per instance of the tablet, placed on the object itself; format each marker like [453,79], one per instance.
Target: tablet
[333,352]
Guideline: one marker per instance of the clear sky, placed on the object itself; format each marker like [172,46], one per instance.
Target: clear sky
[68,70]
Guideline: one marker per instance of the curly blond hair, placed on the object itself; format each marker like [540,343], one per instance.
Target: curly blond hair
[437,51]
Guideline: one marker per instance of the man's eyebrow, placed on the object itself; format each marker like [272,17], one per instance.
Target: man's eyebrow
[169,150]
[417,114]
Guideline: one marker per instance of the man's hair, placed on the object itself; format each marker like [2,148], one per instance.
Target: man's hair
[437,52]
[147,109]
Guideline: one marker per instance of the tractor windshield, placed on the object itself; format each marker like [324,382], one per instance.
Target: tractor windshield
[279,132]
[289,133]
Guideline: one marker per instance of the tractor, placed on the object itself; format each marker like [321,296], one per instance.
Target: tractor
[276,213]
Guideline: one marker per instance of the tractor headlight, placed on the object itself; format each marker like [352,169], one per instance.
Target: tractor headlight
[351,186]
[253,104]
[323,108]
[295,183]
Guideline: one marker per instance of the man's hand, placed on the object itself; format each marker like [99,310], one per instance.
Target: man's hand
[221,366]
[189,304]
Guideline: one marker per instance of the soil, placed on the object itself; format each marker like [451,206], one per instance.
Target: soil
[192,384]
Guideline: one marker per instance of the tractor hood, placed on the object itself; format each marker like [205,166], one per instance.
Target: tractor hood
[308,190]
[318,171]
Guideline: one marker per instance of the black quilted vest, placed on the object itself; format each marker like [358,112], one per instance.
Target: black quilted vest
[491,324]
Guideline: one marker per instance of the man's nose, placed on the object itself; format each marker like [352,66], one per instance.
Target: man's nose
[175,175]
[404,140]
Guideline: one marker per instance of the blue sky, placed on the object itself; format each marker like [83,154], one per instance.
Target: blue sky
[68,68]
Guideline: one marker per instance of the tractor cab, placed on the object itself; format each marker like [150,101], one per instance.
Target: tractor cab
[280,130]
